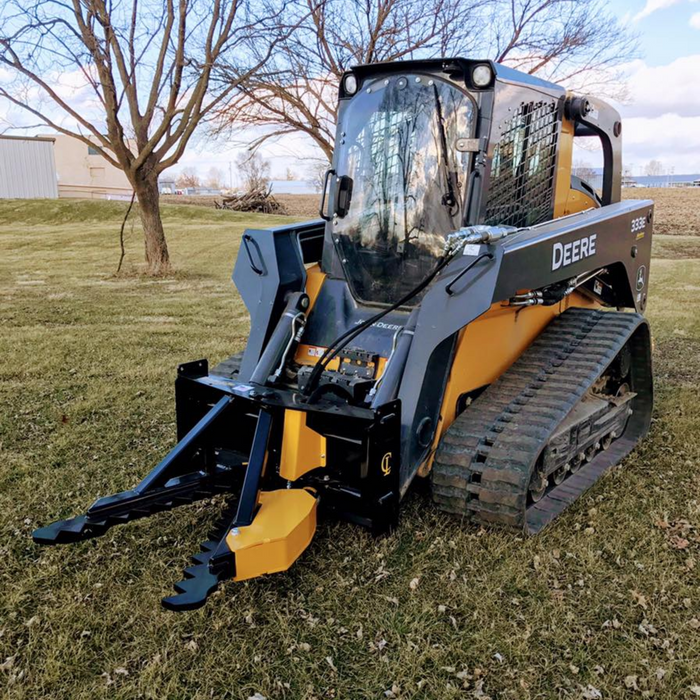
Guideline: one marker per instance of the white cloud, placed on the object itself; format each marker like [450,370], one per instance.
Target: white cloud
[670,138]
[653,6]
[661,121]
[657,90]
[695,20]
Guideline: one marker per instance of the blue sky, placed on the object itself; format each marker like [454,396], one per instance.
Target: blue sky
[661,118]
[666,32]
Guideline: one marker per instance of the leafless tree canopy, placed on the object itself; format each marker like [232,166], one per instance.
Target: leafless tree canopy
[577,42]
[254,170]
[215,178]
[132,78]
[654,168]
[188,177]
[583,170]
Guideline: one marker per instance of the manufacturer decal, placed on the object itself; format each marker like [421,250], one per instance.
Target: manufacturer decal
[315,352]
[382,325]
[386,464]
[641,277]
[242,389]
[564,254]
[471,249]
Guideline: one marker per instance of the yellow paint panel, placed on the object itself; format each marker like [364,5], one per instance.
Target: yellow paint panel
[577,201]
[488,346]
[309,355]
[565,149]
[566,200]
[314,281]
[303,449]
[283,528]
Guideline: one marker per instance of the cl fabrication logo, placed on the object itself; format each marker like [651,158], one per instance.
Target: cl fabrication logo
[386,464]
[564,254]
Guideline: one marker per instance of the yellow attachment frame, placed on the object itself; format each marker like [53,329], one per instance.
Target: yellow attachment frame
[303,449]
[282,529]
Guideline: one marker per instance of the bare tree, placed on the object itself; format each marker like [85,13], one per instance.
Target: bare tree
[316,172]
[574,41]
[329,37]
[584,171]
[188,177]
[290,175]
[131,79]
[255,171]
[215,178]
[579,43]
[654,168]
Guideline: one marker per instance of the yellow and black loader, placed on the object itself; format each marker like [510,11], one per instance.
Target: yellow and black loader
[465,310]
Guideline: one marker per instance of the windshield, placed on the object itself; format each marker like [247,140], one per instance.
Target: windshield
[398,143]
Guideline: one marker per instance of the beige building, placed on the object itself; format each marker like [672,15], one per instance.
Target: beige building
[83,172]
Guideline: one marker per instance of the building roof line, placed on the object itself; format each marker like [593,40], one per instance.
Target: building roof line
[9,137]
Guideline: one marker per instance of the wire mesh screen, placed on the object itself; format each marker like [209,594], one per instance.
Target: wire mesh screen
[521,192]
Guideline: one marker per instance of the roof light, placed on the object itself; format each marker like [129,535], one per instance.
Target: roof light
[482,75]
[350,84]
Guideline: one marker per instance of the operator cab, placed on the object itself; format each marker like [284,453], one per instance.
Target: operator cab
[424,148]
[404,181]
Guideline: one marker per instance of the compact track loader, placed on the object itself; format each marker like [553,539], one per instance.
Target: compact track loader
[464,310]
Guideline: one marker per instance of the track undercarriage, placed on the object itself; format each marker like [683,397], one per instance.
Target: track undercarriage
[573,405]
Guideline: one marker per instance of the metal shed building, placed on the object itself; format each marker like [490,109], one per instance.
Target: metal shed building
[27,168]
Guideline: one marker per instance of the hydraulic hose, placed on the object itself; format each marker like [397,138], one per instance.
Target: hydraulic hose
[282,338]
[341,341]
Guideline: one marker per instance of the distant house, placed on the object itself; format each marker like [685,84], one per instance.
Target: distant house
[83,172]
[27,168]
[628,181]
[168,186]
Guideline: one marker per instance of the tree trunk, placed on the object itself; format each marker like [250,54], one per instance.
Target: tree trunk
[157,255]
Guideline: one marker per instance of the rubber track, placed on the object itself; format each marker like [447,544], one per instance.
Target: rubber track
[483,466]
[230,367]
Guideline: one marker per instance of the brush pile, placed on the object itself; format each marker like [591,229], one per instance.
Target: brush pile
[257,199]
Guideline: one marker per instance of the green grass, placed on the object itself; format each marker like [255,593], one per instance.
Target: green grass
[608,598]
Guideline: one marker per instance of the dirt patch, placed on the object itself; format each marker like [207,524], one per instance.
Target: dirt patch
[198,200]
[675,247]
[301,205]
[305,205]
[676,209]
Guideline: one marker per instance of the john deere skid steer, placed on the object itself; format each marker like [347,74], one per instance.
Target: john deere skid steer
[464,310]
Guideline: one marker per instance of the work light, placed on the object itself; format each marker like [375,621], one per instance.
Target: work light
[350,84]
[481,75]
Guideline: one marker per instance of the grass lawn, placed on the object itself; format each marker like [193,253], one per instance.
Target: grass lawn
[606,603]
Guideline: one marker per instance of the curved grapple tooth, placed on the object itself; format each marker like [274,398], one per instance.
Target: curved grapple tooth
[71,530]
[193,592]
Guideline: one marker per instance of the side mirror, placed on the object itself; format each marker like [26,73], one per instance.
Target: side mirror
[343,195]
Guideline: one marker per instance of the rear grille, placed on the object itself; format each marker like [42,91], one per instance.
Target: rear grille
[521,191]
